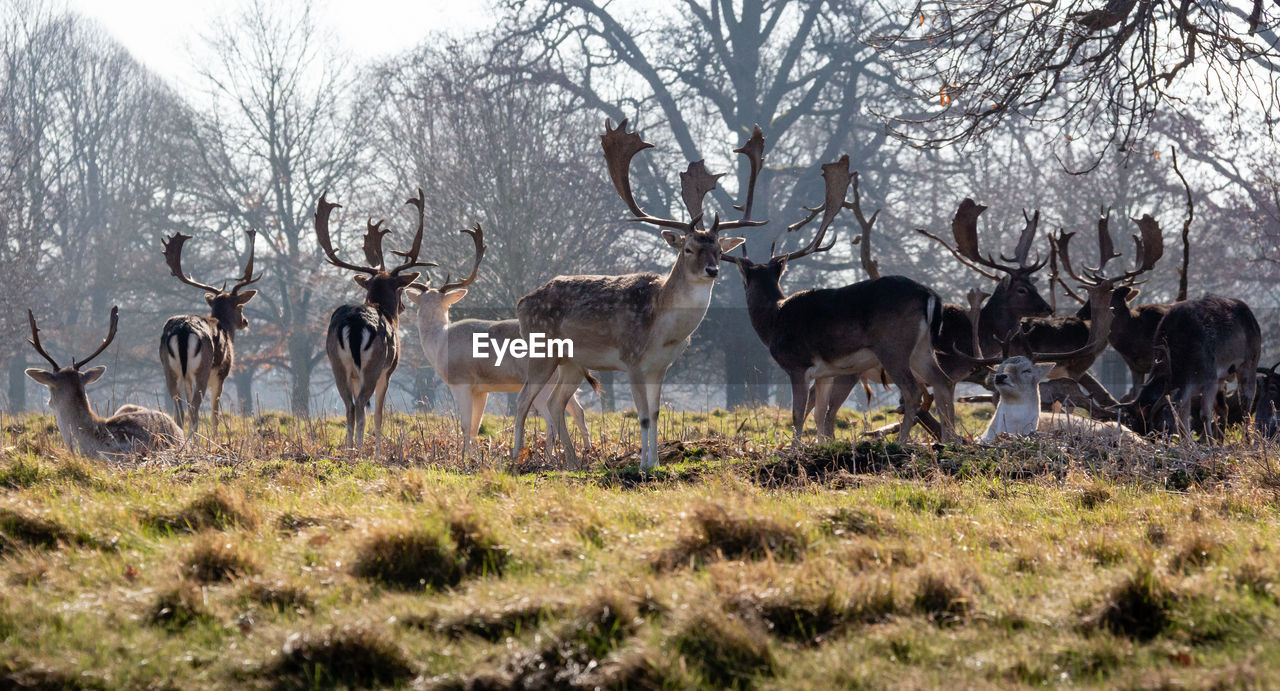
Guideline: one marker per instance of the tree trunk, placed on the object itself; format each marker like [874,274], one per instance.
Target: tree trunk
[608,393]
[18,383]
[244,390]
[300,356]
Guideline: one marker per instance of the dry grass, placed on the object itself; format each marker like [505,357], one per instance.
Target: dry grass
[271,558]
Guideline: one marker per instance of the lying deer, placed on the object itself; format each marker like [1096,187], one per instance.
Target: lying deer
[197,353]
[131,430]
[639,323]
[890,323]
[363,341]
[1201,344]
[1018,413]
[448,346]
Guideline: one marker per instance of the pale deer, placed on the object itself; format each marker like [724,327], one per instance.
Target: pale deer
[1200,345]
[363,340]
[1018,413]
[197,353]
[449,346]
[133,429]
[638,323]
[890,323]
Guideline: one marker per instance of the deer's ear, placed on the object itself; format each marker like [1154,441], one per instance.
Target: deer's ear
[245,297]
[361,280]
[454,296]
[1043,370]
[209,298]
[672,238]
[405,279]
[43,376]
[92,374]
[730,244]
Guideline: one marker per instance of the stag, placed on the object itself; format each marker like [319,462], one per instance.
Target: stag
[1087,338]
[1133,332]
[638,323]
[132,429]
[1013,297]
[1200,345]
[363,340]
[448,345]
[197,353]
[890,323]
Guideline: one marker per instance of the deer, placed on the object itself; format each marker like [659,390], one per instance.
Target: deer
[363,340]
[640,322]
[1200,345]
[1018,412]
[448,345]
[1013,297]
[197,353]
[1087,338]
[1266,417]
[1133,331]
[891,323]
[133,429]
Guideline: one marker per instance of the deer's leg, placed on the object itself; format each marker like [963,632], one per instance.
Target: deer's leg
[579,419]
[654,379]
[475,416]
[215,400]
[565,386]
[640,397]
[924,365]
[462,395]
[540,405]
[821,393]
[193,407]
[175,397]
[799,389]
[537,372]
[380,402]
[343,384]
[838,393]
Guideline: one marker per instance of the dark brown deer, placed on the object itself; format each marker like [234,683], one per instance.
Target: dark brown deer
[1089,337]
[1200,345]
[1014,296]
[1266,416]
[638,323]
[197,353]
[1133,332]
[363,340]
[891,323]
[133,429]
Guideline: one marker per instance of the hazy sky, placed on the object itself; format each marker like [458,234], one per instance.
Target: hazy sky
[159,33]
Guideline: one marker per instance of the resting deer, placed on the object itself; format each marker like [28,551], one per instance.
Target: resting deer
[132,429]
[363,341]
[638,323]
[448,345]
[1200,344]
[1018,413]
[197,353]
[1014,296]
[890,323]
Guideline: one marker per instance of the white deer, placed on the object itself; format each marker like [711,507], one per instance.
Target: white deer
[1018,414]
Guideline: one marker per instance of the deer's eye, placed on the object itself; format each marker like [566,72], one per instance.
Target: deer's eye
[688,251]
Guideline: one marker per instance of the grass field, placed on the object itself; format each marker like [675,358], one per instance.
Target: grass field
[268,558]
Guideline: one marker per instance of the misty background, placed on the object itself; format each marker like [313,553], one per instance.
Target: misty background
[238,115]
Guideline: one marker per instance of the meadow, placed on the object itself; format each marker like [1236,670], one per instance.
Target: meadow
[268,558]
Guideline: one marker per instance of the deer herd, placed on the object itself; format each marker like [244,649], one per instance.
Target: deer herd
[881,331]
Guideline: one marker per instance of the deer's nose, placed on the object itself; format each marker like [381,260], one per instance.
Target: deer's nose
[1002,378]
[713,271]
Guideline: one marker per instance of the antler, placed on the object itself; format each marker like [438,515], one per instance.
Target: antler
[975,298]
[35,340]
[754,151]
[964,228]
[323,209]
[111,336]
[1149,248]
[838,177]
[173,257]
[620,147]
[477,236]
[248,277]
[373,235]
[695,182]
[411,256]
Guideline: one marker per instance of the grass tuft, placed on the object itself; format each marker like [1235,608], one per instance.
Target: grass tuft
[409,560]
[278,595]
[1196,552]
[219,509]
[1138,607]
[213,558]
[942,597]
[178,607]
[353,656]
[724,534]
[18,529]
[478,551]
[727,650]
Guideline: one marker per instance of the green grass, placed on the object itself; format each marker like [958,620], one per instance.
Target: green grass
[270,558]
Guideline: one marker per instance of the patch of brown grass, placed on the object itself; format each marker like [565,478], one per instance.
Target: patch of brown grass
[942,597]
[178,607]
[214,558]
[1196,551]
[1138,607]
[18,529]
[219,509]
[725,648]
[279,596]
[722,533]
[351,656]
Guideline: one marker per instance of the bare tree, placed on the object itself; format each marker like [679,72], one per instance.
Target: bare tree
[274,137]
[1085,68]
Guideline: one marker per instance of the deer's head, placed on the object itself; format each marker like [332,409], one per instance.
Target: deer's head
[227,306]
[67,384]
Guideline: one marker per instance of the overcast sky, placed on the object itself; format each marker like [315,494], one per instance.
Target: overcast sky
[160,33]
